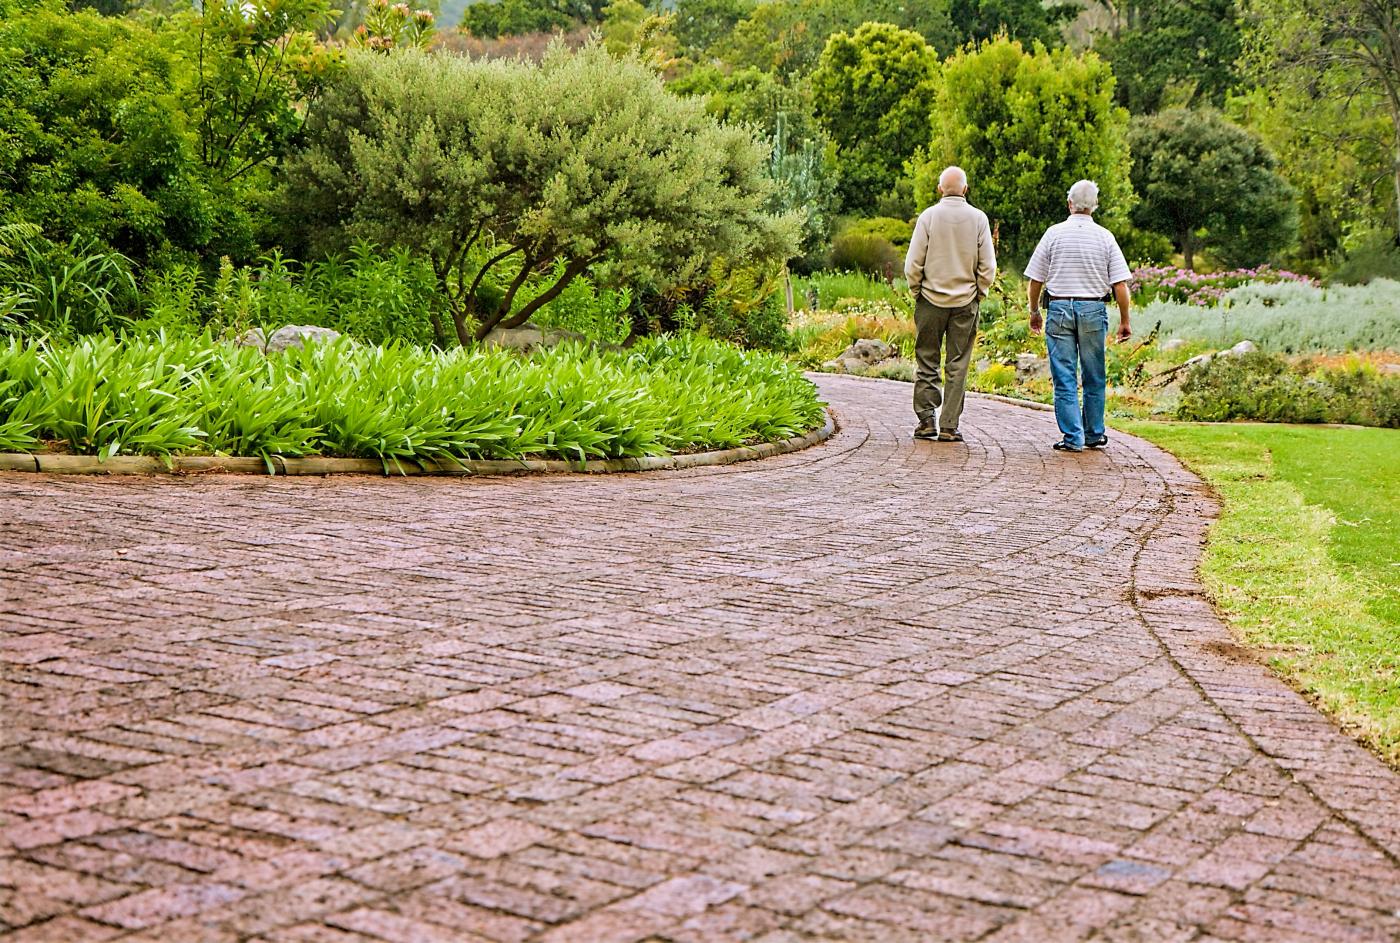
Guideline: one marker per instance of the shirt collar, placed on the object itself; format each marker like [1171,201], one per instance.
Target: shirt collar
[956,199]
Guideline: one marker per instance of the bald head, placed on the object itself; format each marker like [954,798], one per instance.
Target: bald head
[952,182]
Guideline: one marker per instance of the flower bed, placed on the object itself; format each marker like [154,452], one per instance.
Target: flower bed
[1169,283]
[194,395]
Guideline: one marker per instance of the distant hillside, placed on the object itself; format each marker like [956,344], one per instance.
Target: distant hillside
[450,13]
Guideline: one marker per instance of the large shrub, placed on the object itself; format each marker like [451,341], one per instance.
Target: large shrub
[1025,126]
[580,160]
[152,137]
[93,144]
[1270,388]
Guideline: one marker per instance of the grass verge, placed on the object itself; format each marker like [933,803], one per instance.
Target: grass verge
[1305,559]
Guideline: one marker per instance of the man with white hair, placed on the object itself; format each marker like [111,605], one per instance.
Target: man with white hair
[950,265]
[1080,266]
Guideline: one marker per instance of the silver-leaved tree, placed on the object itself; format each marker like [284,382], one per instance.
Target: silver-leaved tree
[515,178]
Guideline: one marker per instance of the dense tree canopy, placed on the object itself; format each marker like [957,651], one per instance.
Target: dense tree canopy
[1025,126]
[873,90]
[1029,21]
[1208,183]
[1177,52]
[1318,52]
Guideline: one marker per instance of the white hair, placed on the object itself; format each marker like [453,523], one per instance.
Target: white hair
[1084,196]
[952,181]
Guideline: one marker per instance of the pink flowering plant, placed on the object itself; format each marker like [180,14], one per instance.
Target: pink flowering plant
[1169,283]
[388,26]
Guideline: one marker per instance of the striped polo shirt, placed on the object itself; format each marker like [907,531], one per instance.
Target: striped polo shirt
[1078,259]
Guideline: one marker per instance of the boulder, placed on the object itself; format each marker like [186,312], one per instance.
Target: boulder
[1172,344]
[866,352]
[1240,349]
[869,350]
[286,337]
[527,337]
[1031,367]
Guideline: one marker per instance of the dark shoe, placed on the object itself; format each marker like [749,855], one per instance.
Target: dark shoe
[1063,446]
[946,436]
[1097,443]
[926,430]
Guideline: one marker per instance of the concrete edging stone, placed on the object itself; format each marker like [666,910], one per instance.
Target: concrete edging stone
[321,465]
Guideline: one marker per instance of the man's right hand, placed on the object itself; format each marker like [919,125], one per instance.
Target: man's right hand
[1036,322]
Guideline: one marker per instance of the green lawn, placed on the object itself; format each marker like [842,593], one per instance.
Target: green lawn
[1305,560]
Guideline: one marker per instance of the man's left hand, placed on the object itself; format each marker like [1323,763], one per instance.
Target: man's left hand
[1125,331]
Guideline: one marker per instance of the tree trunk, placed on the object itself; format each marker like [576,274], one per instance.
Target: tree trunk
[459,324]
[1188,250]
[1396,176]
[571,271]
[502,313]
[439,334]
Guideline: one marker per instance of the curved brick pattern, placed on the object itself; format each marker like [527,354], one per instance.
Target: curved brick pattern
[877,690]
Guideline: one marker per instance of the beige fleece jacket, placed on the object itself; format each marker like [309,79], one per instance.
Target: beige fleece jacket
[951,261]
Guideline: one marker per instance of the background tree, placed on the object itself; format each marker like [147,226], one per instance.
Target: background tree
[788,36]
[1029,21]
[94,145]
[1177,52]
[872,90]
[506,173]
[1349,52]
[1209,184]
[1025,126]
[492,18]
[803,162]
[700,24]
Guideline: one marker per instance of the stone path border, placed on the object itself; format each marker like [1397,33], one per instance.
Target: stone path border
[322,465]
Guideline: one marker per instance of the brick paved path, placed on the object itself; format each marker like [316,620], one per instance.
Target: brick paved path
[877,690]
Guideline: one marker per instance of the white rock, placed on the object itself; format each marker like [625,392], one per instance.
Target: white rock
[1172,344]
[1031,367]
[298,336]
[1240,349]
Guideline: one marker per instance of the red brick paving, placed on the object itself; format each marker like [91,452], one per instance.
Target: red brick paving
[878,690]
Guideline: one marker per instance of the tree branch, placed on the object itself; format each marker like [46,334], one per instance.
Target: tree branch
[571,271]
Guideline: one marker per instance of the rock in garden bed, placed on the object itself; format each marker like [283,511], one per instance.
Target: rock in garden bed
[286,337]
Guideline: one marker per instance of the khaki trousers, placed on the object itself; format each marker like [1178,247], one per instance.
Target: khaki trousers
[933,325]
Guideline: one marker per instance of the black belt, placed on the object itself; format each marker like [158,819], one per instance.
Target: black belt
[1106,296]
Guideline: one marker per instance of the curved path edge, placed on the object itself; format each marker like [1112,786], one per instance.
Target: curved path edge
[322,465]
[1338,772]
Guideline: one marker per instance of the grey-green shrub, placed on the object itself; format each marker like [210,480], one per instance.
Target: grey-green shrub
[1290,318]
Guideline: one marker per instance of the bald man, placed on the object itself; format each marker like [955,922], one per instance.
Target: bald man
[950,265]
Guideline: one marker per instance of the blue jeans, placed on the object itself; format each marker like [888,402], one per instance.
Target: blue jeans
[1075,335]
